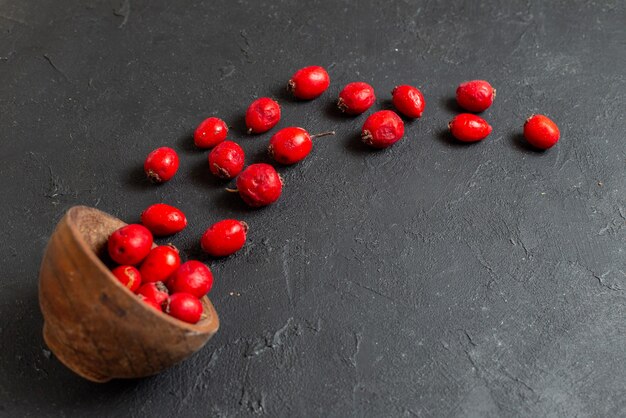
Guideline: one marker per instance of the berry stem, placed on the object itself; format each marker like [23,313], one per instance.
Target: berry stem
[323,134]
[228,189]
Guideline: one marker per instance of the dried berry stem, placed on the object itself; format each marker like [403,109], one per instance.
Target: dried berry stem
[323,134]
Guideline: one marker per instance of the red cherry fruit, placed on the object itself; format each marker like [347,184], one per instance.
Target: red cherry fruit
[262,115]
[185,307]
[259,185]
[475,95]
[160,263]
[161,164]
[151,302]
[191,277]
[409,101]
[210,132]
[309,82]
[293,144]
[129,276]
[356,98]
[467,127]
[541,132]
[130,244]
[226,160]
[155,291]
[224,238]
[382,129]
[163,220]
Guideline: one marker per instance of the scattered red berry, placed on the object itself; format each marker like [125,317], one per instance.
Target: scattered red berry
[382,129]
[129,276]
[156,292]
[160,263]
[161,164]
[409,101]
[356,98]
[259,185]
[475,95]
[467,127]
[262,115]
[210,132]
[224,238]
[130,244]
[290,145]
[226,160]
[162,219]
[541,132]
[191,277]
[151,302]
[309,82]
[185,307]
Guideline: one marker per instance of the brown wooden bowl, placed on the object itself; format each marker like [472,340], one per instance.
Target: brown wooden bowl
[92,323]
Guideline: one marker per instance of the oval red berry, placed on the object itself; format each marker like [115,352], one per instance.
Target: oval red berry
[467,127]
[159,264]
[156,292]
[226,160]
[309,82]
[224,238]
[356,98]
[475,95]
[130,244]
[161,164]
[290,145]
[191,277]
[262,115]
[185,307]
[259,185]
[382,129]
[163,220]
[541,132]
[409,101]
[210,132]
[129,276]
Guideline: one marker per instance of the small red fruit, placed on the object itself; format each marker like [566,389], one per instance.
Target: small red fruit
[290,145]
[224,237]
[259,185]
[185,307]
[210,132]
[475,95]
[155,291]
[382,129]
[130,244]
[309,82]
[151,302]
[161,164]
[226,160]
[409,101]
[467,127]
[129,276]
[356,98]
[160,263]
[262,115]
[541,132]
[191,277]
[162,219]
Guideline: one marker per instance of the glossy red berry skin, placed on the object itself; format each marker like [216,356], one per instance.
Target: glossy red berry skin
[356,98]
[259,185]
[156,291]
[382,129]
[163,220]
[129,276]
[161,263]
[227,160]
[224,238]
[290,145]
[161,164]
[541,132]
[309,82]
[475,95]
[262,115]
[210,132]
[409,101]
[467,127]
[130,244]
[191,277]
[151,302]
[185,307]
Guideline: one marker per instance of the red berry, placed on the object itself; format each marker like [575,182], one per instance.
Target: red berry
[162,219]
[356,98]
[382,129]
[475,95]
[290,145]
[224,237]
[161,164]
[130,244]
[185,307]
[160,263]
[191,277]
[262,115]
[210,132]
[309,82]
[226,160]
[129,276]
[155,291]
[541,132]
[467,127]
[259,185]
[151,302]
[409,101]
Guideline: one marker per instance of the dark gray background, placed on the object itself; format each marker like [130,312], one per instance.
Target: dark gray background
[429,279]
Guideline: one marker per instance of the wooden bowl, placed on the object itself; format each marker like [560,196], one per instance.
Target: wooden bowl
[92,323]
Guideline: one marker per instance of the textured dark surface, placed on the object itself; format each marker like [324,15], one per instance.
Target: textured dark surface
[430,279]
